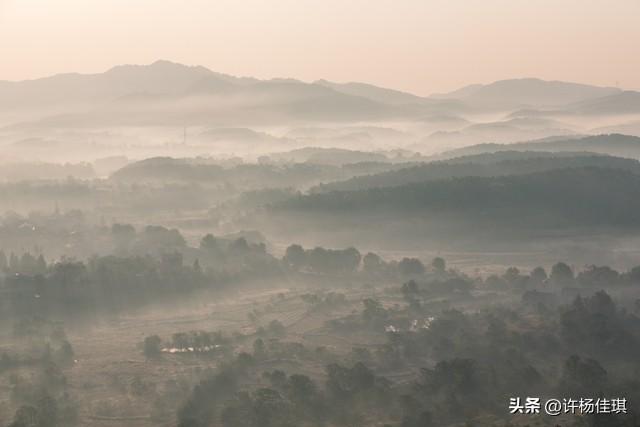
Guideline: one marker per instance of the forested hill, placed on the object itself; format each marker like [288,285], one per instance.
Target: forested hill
[498,164]
[578,196]
[241,175]
[613,144]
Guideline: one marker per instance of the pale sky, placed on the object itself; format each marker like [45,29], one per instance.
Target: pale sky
[422,46]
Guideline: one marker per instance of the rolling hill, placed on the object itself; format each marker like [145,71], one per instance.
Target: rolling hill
[586,196]
[613,145]
[521,93]
[489,165]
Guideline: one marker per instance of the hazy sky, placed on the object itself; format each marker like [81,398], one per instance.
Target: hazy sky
[421,46]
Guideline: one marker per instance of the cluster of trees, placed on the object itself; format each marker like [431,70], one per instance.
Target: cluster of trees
[48,344]
[472,363]
[325,302]
[216,343]
[153,263]
[582,349]
[101,284]
[494,164]
[562,275]
[25,264]
[243,176]
[37,382]
[536,285]
[192,341]
[559,197]
[321,260]
[350,394]
[238,256]
[349,261]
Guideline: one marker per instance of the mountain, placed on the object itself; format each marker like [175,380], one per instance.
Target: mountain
[167,94]
[627,102]
[626,128]
[172,79]
[495,164]
[378,94]
[165,80]
[242,176]
[613,145]
[584,196]
[504,131]
[161,77]
[328,156]
[458,93]
[235,135]
[529,92]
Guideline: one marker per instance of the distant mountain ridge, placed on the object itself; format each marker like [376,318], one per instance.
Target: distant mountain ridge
[520,93]
[168,93]
[166,77]
[613,144]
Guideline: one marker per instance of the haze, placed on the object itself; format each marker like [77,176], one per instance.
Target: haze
[319,214]
[417,46]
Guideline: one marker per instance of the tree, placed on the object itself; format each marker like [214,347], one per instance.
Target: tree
[268,409]
[181,340]
[28,264]
[439,265]
[14,263]
[634,275]
[171,261]
[41,265]
[157,237]
[48,412]
[582,377]
[411,294]
[152,347]
[123,236]
[344,383]
[593,324]
[374,313]
[25,416]
[458,377]
[421,419]
[276,329]
[277,378]
[259,349]
[332,261]
[495,282]
[295,257]
[411,267]
[65,354]
[410,290]
[350,258]
[511,275]
[561,274]
[5,362]
[538,275]
[239,246]
[372,264]
[598,276]
[303,392]
[209,243]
